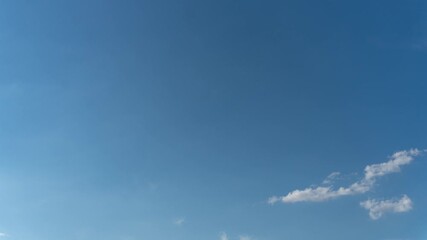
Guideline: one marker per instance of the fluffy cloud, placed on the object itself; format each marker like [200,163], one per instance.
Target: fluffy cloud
[372,172]
[378,208]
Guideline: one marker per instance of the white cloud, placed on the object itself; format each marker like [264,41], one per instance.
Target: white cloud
[223,236]
[3,235]
[398,159]
[372,172]
[378,208]
[179,221]
[320,194]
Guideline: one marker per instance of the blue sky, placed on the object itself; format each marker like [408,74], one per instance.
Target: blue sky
[216,120]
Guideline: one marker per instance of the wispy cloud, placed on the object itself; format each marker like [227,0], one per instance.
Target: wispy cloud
[378,208]
[179,221]
[223,236]
[245,238]
[331,178]
[372,172]
[2,235]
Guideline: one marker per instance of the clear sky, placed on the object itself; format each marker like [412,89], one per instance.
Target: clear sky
[213,120]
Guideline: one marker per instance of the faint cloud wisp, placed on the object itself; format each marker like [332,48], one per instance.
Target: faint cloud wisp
[223,236]
[179,221]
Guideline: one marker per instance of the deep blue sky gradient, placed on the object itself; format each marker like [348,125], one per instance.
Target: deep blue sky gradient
[119,117]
